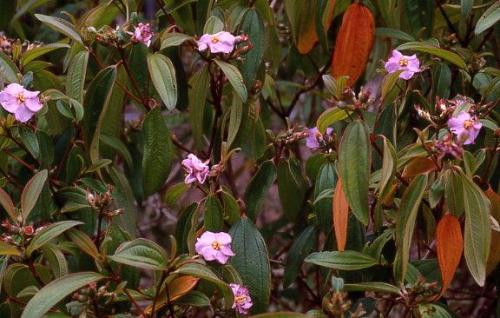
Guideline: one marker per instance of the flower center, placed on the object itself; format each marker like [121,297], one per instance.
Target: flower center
[403,62]
[216,245]
[468,124]
[240,299]
[21,98]
[215,40]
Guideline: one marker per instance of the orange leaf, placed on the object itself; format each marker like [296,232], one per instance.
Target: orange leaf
[354,43]
[450,244]
[176,288]
[340,216]
[494,256]
[417,166]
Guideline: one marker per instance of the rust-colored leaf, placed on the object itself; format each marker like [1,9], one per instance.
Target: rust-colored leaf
[340,215]
[418,166]
[354,43]
[176,288]
[494,256]
[450,245]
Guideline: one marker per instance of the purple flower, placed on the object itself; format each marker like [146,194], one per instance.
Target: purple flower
[242,300]
[214,246]
[399,62]
[221,42]
[142,34]
[19,101]
[196,169]
[465,127]
[314,137]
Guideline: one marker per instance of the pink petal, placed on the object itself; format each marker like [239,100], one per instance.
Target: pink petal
[23,114]
[14,89]
[406,74]
[223,238]
[9,102]
[33,104]
[221,258]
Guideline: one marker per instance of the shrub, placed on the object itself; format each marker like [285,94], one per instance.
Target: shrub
[231,158]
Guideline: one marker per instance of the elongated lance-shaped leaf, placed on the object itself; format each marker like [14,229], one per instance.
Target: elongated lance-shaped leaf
[162,73]
[408,209]
[354,168]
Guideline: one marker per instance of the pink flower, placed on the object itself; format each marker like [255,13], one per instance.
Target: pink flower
[465,127]
[315,138]
[196,169]
[142,34]
[221,42]
[19,101]
[214,246]
[242,300]
[399,62]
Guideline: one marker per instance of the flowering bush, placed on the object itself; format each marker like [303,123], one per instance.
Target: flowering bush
[270,158]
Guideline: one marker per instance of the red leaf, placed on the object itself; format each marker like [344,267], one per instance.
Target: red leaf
[354,43]
[450,245]
[340,216]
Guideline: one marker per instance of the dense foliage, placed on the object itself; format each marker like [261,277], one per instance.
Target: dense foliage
[284,158]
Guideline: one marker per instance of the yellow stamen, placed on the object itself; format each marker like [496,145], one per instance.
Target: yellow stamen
[240,299]
[215,40]
[468,124]
[216,245]
[403,62]
[21,98]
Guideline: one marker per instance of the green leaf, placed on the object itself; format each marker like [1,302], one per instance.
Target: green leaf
[235,118]
[389,165]
[49,233]
[75,78]
[234,76]
[453,192]
[8,70]
[489,18]
[194,298]
[441,78]
[388,83]
[141,253]
[61,26]
[252,262]
[118,145]
[258,187]
[32,54]
[356,173]
[31,192]
[292,188]
[394,34]
[84,242]
[97,100]
[158,152]
[30,140]
[214,214]
[162,72]
[405,224]
[8,205]
[477,231]
[433,311]
[174,39]
[434,50]
[346,260]
[56,260]
[8,250]
[326,180]
[124,198]
[330,117]
[199,84]
[205,273]
[56,291]
[253,26]
[300,248]
[378,287]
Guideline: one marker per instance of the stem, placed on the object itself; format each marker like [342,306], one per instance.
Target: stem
[21,161]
